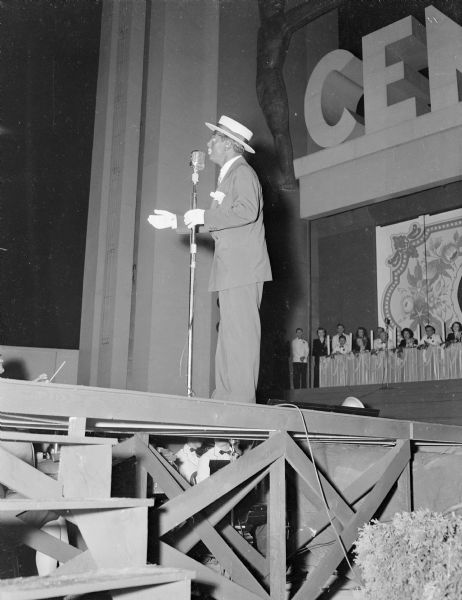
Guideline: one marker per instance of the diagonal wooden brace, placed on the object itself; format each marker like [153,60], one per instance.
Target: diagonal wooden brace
[196,498]
[302,464]
[313,587]
[352,493]
[203,528]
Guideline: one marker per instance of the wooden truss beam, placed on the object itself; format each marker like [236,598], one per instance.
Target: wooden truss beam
[227,558]
[106,406]
[315,584]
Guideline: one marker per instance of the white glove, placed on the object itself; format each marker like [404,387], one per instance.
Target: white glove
[194,217]
[163,219]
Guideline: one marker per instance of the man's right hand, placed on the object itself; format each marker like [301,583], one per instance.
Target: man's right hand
[163,219]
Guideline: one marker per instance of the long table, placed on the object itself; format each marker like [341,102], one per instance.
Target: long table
[412,364]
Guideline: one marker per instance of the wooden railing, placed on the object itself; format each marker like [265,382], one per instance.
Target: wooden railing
[361,460]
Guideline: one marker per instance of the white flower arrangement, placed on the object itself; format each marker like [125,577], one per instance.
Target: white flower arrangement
[416,556]
[218,196]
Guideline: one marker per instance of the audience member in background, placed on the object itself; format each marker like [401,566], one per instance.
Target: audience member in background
[378,331]
[456,333]
[361,345]
[342,348]
[383,342]
[300,351]
[431,337]
[319,349]
[222,450]
[187,459]
[361,333]
[336,338]
[408,340]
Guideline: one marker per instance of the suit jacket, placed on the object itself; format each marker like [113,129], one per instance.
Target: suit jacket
[319,348]
[236,225]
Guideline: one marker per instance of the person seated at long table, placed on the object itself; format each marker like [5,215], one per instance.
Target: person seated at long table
[336,338]
[361,334]
[342,347]
[455,335]
[431,337]
[408,340]
[383,342]
[361,345]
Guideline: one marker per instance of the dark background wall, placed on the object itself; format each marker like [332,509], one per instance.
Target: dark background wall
[49,61]
[343,247]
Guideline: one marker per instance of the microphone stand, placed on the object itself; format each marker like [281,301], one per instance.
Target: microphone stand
[192,278]
[386,382]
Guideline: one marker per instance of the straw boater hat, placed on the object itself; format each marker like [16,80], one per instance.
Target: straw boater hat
[233,130]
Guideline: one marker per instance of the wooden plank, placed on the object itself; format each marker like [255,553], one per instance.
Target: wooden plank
[405,487]
[18,505]
[109,406]
[125,449]
[21,436]
[323,572]
[85,471]
[434,432]
[223,588]
[26,480]
[204,530]
[115,538]
[195,499]
[77,426]
[244,549]
[141,482]
[277,529]
[79,564]
[177,590]
[35,588]
[44,542]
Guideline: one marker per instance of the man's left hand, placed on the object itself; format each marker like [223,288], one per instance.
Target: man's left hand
[194,217]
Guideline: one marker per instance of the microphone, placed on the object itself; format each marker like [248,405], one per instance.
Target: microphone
[197,160]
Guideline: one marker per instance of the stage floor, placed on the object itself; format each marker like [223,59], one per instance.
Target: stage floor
[430,401]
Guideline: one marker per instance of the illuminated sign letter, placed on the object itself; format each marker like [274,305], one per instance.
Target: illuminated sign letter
[394,90]
[444,41]
[331,98]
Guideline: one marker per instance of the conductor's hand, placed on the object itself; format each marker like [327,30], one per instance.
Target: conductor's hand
[194,217]
[42,378]
[162,219]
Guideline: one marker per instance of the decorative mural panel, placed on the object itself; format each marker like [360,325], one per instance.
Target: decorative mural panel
[419,271]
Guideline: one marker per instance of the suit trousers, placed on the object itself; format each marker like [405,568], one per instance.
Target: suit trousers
[299,374]
[237,359]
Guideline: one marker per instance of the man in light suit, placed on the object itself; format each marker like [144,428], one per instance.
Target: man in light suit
[240,262]
[299,351]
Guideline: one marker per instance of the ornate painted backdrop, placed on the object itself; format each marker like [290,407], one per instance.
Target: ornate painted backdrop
[419,271]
